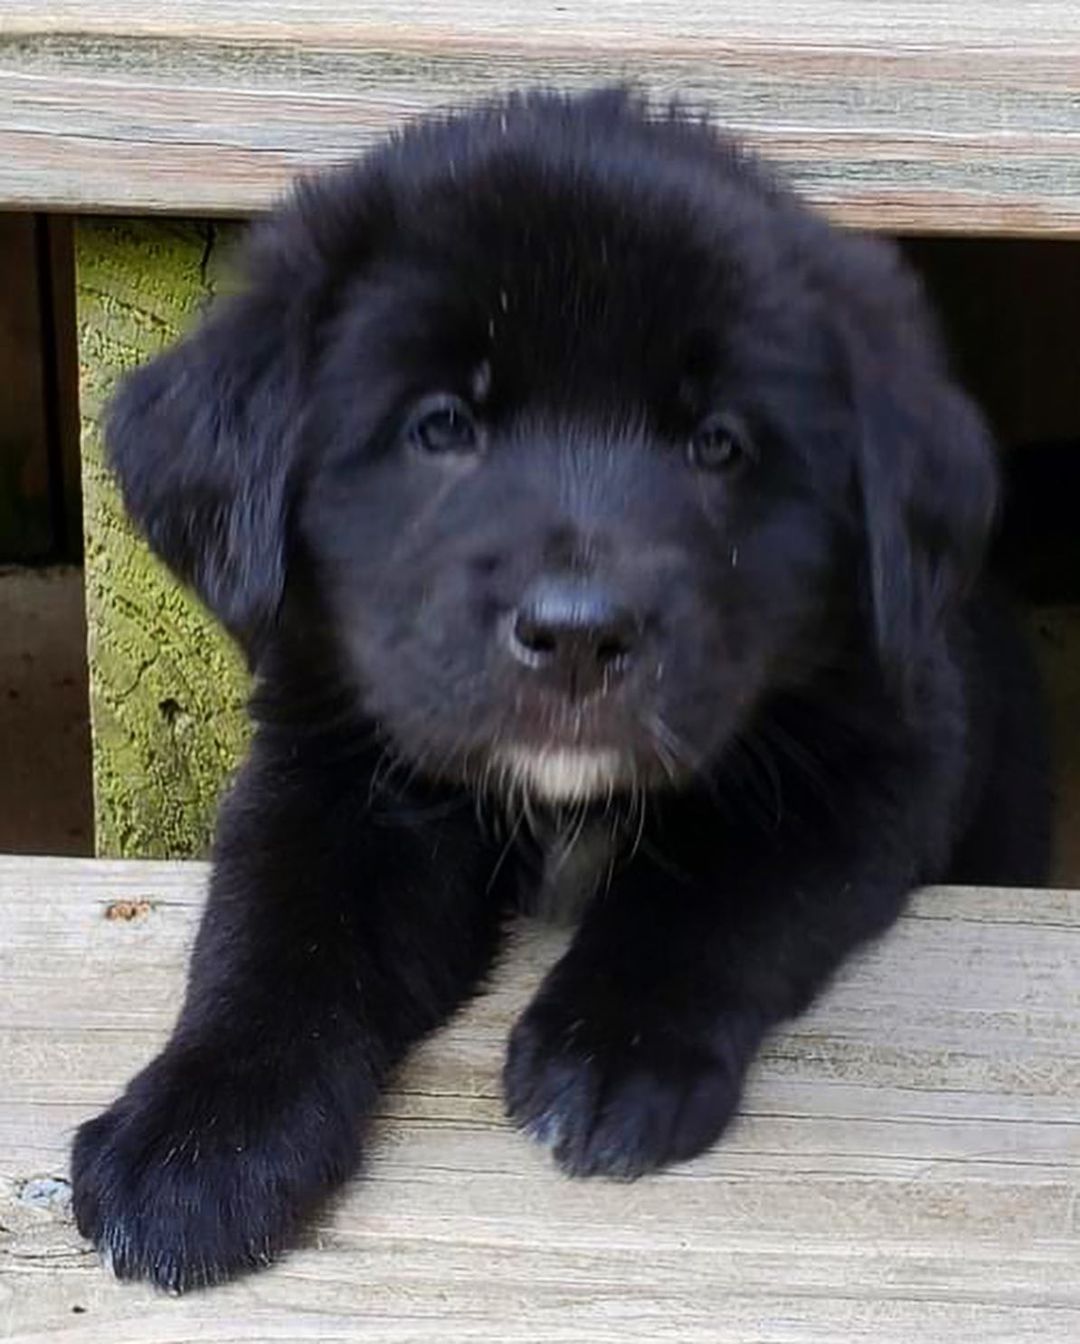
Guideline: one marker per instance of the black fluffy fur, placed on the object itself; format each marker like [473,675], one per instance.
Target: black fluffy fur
[823,708]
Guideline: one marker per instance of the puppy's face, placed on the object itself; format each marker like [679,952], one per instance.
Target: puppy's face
[581,436]
[566,491]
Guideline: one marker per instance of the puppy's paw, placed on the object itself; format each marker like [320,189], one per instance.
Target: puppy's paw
[617,1094]
[181,1183]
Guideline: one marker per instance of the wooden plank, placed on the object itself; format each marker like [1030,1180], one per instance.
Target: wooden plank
[167,689]
[911,115]
[907,1168]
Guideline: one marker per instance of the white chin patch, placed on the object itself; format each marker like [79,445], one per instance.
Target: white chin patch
[563,775]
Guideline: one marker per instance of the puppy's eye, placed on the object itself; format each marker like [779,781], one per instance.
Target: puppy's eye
[719,444]
[443,424]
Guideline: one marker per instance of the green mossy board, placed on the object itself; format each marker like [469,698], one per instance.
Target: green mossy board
[167,688]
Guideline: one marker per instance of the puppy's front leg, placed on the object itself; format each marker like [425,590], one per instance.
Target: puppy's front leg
[634,1051]
[331,941]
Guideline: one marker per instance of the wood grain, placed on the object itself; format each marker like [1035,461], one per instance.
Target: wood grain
[907,1170]
[167,688]
[921,115]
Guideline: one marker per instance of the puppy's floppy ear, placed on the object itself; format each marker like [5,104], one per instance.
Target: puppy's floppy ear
[926,467]
[203,442]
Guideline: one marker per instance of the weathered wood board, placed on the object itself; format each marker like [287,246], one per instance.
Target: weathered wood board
[167,688]
[907,1169]
[907,115]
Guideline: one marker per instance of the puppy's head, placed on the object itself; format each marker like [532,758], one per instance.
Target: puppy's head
[573,435]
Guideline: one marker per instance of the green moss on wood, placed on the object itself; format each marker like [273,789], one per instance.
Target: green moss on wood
[167,687]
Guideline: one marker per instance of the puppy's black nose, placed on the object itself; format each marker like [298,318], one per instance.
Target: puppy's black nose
[574,636]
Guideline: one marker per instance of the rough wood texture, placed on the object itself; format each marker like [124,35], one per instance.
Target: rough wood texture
[167,689]
[904,115]
[907,1171]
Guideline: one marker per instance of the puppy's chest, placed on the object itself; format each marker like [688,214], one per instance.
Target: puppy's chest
[566,865]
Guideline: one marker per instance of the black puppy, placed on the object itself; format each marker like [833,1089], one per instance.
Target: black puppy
[587,509]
